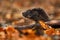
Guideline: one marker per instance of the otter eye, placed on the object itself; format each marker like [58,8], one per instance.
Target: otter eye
[29,16]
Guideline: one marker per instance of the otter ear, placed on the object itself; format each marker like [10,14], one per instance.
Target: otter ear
[44,15]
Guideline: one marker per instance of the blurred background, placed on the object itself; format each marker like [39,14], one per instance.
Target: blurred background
[11,16]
